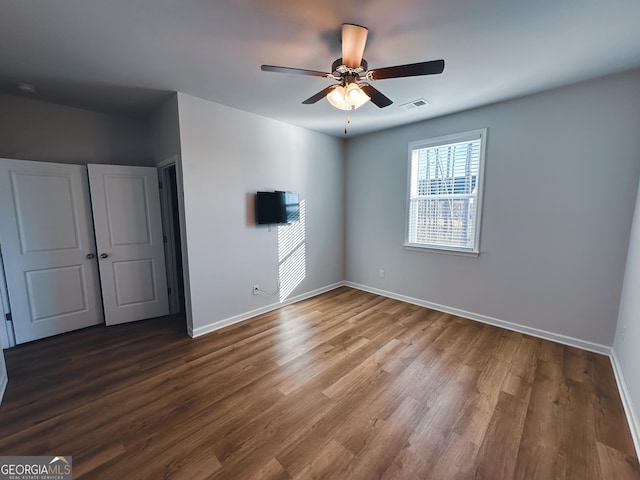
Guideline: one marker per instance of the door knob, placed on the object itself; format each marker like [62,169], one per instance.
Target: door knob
[90,256]
[103,255]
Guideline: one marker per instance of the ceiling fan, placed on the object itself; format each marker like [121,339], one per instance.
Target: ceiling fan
[351,71]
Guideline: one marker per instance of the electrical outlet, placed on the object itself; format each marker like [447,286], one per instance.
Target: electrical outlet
[256,289]
[623,332]
[381,273]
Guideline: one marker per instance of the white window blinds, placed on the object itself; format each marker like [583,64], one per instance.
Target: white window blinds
[444,192]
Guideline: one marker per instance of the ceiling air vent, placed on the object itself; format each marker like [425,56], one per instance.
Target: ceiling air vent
[421,102]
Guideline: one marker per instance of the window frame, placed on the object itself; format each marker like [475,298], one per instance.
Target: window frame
[481,134]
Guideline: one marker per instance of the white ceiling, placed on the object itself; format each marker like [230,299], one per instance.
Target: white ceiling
[122,57]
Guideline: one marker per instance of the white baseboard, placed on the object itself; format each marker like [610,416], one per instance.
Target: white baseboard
[632,417]
[535,332]
[225,322]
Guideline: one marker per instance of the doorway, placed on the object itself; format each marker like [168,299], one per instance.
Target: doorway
[169,199]
[48,236]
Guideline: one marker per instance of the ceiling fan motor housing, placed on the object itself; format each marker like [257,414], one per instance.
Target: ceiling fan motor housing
[340,70]
[351,69]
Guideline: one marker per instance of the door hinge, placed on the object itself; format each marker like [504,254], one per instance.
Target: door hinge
[164,238]
[169,290]
[160,184]
[8,317]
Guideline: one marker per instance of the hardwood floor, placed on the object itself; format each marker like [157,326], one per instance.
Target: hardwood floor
[346,385]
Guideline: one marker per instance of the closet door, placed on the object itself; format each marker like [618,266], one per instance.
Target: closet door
[128,227]
[48,248]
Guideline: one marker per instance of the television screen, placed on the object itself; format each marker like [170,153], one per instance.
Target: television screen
[277,207]
[291,207]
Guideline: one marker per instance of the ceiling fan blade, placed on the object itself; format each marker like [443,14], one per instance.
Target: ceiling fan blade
[433,67]
[354,39]
[376,96]
[320,95]
[296,71]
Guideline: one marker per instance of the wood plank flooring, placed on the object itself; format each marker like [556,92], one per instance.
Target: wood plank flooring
[346,385]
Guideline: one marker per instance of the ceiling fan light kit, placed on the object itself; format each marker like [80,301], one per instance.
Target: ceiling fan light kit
[347,98]
[351,71]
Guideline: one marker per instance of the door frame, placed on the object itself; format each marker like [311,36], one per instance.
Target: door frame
[4,375]
[168,225]
[7,336]
[165,196]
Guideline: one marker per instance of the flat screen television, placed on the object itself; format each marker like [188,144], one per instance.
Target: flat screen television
[273,208]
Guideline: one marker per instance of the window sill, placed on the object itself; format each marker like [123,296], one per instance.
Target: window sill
[450,251]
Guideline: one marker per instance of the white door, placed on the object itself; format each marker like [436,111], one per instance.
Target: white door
[48,248]
[128,226]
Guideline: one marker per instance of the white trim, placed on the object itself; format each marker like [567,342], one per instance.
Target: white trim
[627,403]
[632,418]
[536,332]
[4,375]
[168,230]
[453,251]
[172,160]
[186,279]
[259,311]
[3,385]
[7,336]
[452,139]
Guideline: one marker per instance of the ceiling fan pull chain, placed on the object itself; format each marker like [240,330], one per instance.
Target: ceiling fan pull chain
[351,70]
[347,121]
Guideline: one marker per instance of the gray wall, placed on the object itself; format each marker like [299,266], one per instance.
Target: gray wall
[35,130]
[228,155]
[164,144]
[627,344]
[164,131]
[561,176]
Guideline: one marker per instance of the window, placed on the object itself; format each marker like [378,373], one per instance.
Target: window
[445,192]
